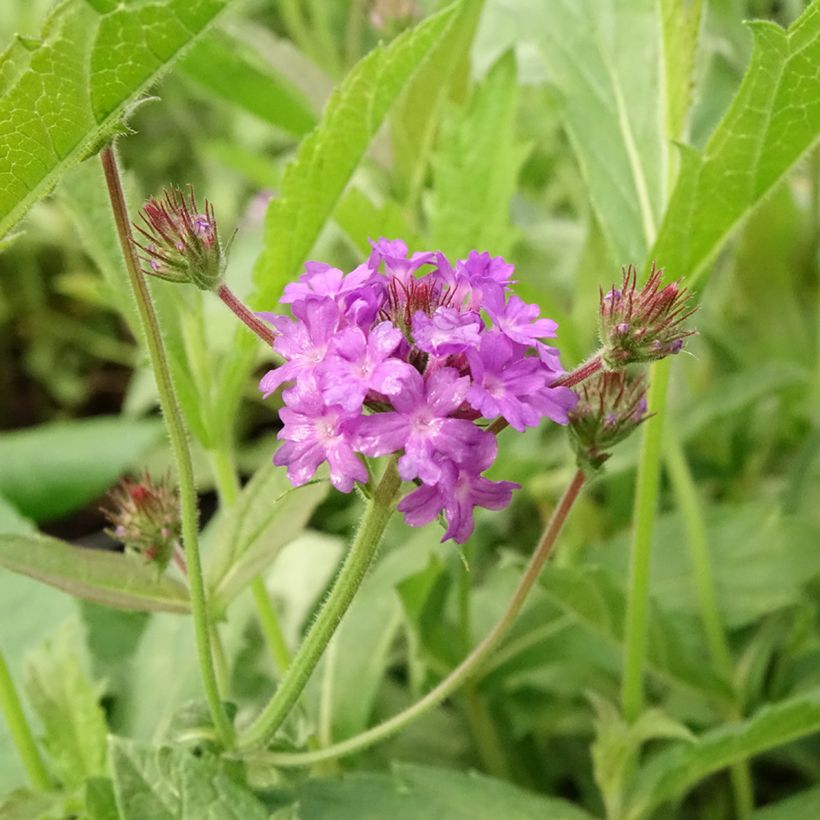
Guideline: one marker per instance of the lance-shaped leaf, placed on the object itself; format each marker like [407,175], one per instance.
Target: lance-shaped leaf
[329,155]
[109,578]
[268,514]
[670,773]
[64,96]
[773,120]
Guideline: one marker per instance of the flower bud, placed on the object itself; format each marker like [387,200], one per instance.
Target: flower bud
[610,406]
[145,517]
[641,326]
[182,243]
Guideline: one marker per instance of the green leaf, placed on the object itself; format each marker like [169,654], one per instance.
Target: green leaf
[229,68]
[52,469]
[100,801]
[463,173]
[803,806]
[67,703]
[63,98]
[773,120]
[173,784]
[25,805]
[671,773]
[268,514]
[603,60]
[329,155]
[109,578]
[414,791]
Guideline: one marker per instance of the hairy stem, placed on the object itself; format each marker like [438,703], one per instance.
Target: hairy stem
[20,731]
[245,314]
[468,667]
[179,445]
[350,577]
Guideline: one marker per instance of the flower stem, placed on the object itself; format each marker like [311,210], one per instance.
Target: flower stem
[179,444]
[467,668]
[244,313]
[350,577]
[646,497]
[20,731]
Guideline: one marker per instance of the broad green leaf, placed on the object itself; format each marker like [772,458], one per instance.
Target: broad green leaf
[228,68]
[109,578]
[415,118]
[52,469]
[773,120]
[173,784]
[462,172]
[62,98]
[11,522]
[672,772]
[329,155]
[25,805]
[603,61]
[411,792]
[362,220]
[268,514]
[100,802]
[68,704]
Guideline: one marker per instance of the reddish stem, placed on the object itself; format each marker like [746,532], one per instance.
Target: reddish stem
[243,312]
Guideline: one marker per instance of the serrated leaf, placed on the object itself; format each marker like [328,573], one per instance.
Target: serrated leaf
[67,702]
[329,155]
[52,469]
[173,784]
[773,120]
[268,514]
[411,792]
[672,772]
[68,94]
[108,578]
[463,173]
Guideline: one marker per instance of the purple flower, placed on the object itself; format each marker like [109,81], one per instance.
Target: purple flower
[394,255]
[446,332]
[362,363]
[509,384]
[458,492]
[323,280]
[516,319]
[422,426]
[315,433]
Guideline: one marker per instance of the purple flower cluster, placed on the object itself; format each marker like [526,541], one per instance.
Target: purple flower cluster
[410,354]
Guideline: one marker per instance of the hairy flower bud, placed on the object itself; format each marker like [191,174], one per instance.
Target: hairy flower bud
[145,517]
[182,242]
[641,326]
[610,406]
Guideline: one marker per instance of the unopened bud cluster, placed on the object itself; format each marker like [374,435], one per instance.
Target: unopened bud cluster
[610,406]
[643,325]
[144,515]
[181,242]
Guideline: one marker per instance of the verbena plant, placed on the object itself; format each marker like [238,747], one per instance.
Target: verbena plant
[665,661]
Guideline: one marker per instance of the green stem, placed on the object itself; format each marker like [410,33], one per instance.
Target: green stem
[350,577]
[227,487]
[21,734]
[467,668]
[646,498]
[686,493]
[179,444]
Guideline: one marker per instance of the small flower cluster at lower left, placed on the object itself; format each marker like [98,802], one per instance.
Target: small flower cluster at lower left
[410,354]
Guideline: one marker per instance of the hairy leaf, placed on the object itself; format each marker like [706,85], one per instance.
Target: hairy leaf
[109,578]
[63,97]
[329,155]
[773,120]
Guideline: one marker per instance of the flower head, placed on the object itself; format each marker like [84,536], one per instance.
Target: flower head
[144,515]
[181,242]
[643,325]
[411,355]
[611,405]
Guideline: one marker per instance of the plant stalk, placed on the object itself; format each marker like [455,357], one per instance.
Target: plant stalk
[179,445]
[21,734]
[468,667]
[245,315]
[350,577]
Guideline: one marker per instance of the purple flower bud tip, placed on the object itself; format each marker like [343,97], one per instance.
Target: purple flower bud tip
[432,351]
